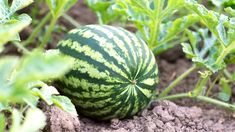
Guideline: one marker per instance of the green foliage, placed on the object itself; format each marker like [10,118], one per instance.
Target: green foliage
[16,74]
[58,7]
[25,79]
[2,123]
[64,103]
[11,24]
[218,46]
[210,46]
[223,3]
[226,90]
[153,19]
[150,16]
[103,10]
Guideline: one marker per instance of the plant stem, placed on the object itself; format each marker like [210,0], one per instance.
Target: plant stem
[200,85]
[37,30]
[48,33]
[156,22]
[213,84]
[101,22]
[227,74]
[177,81]
[156,50]
[21,47]
[222,56]
[201,98]
[71,20]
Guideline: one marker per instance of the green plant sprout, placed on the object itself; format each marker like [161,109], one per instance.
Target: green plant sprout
[211,56]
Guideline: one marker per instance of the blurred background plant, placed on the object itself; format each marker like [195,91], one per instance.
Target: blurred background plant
[24,79]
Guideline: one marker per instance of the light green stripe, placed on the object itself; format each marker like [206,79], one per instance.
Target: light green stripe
[109,47]
[126,40]
[92,54]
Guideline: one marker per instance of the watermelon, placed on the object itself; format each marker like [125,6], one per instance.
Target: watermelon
[114,74]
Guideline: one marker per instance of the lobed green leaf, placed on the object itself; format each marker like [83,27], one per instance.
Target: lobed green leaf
[65,104]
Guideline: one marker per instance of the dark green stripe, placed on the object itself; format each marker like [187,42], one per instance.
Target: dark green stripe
[127,46]
[100,66]
[131,102]
[144,69]
[116,47]
[94,45]
[145,86]
[145,57]
[79,75]
[114,91]
[117,91]
[134,52]
[149,74]
[123,100]
[144,100]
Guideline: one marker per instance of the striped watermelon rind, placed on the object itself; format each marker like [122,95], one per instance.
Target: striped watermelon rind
[114,74]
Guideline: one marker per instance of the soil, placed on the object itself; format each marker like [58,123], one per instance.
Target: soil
[185,115]
[59,120]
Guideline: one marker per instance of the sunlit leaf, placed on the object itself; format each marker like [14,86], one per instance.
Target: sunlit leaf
[178,25]
[2,123]
[11,30]
[58,7]
[45,93]
[65,104]
[39,67]
[19,4]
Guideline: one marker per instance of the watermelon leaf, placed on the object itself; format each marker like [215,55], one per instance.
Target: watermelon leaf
[2,123]
[217,50]
[11,29]
[205,55]
[65,104]
[58,7]
[45,93]
[171,30]
[104,11]
[41,67]
[10,24]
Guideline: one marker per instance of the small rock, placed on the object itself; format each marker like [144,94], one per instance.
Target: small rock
[159,123]
[115,123]
[149,127]
[164,114]
[169,127]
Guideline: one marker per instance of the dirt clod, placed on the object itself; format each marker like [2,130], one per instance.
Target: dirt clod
[164,117]
[59,120]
